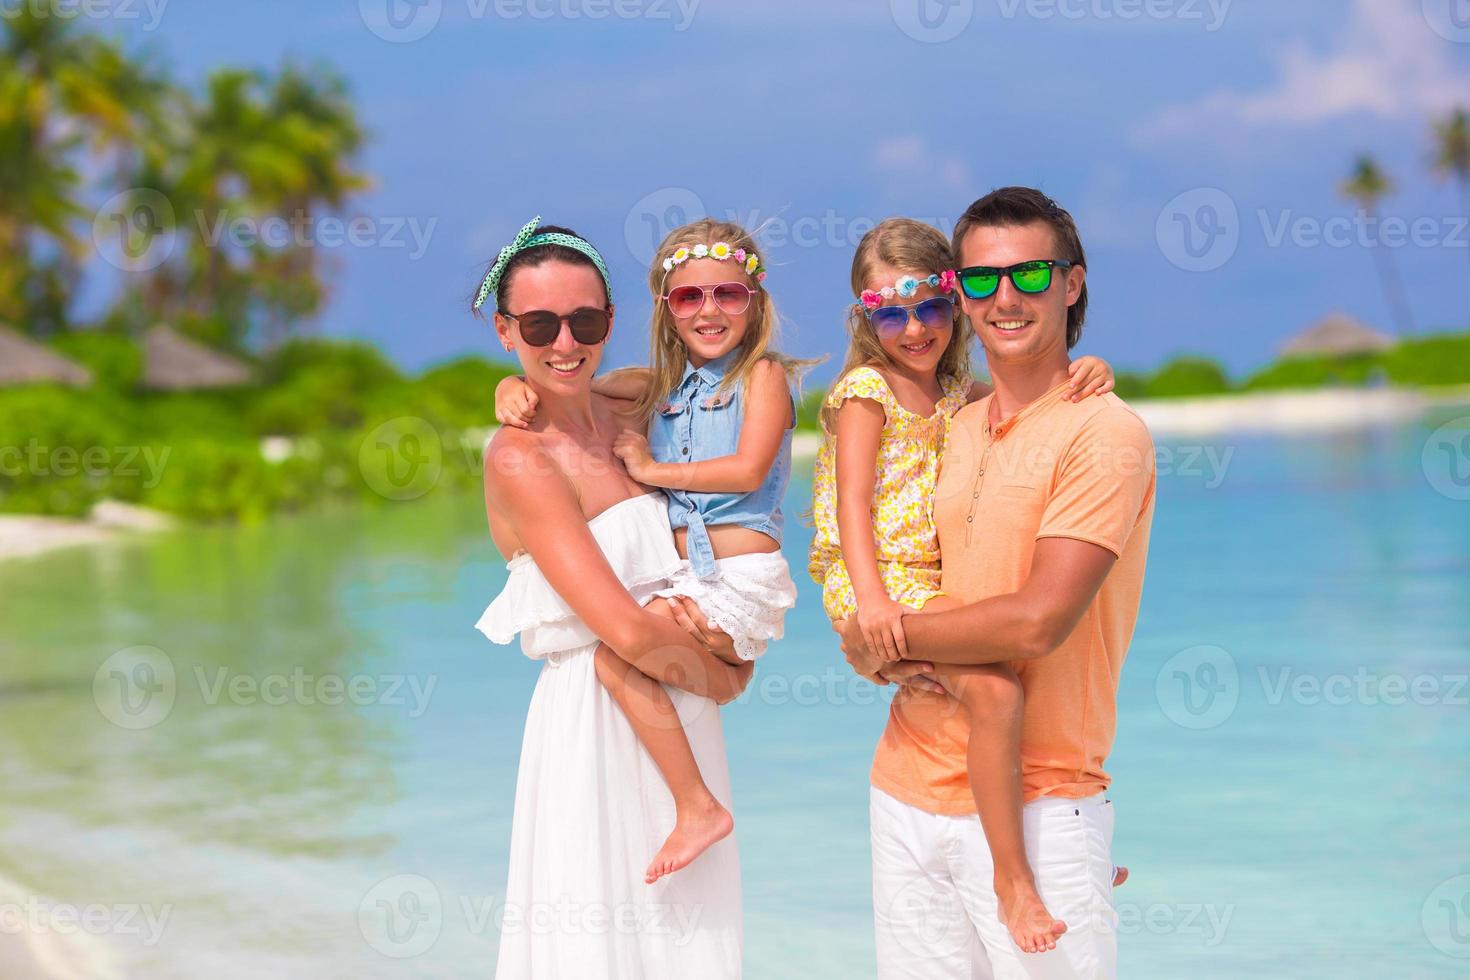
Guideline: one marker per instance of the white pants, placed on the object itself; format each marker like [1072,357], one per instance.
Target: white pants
[934,899]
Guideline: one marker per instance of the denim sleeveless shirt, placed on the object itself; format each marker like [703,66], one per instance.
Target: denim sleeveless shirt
[695,422]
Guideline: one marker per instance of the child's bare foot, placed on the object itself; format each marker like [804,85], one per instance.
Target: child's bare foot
[695,830]
[1120,875]
[1024,914]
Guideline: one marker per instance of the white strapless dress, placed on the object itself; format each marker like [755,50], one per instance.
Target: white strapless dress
[591,809]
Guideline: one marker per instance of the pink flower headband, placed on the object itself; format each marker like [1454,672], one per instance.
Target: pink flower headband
[907,286]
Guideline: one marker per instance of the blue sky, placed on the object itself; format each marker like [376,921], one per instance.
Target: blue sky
[1231,123]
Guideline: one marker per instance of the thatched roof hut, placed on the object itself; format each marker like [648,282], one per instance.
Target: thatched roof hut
[173,362]
[23,361]
[1336,335]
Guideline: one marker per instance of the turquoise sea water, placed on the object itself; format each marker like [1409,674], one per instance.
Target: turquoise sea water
[1289,773]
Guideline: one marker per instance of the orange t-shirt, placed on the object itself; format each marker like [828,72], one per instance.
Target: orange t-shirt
[1081,470]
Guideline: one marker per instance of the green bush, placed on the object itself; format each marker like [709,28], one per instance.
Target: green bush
[210,480]
[59,448]
[1441,360]
[461,392]
[359,364]
[1130,385]
[808,410]
[1185,376]
[1316,372]
[115,359]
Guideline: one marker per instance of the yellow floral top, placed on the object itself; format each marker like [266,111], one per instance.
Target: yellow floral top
[907,470]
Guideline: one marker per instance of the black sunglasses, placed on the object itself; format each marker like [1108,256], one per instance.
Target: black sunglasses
[540,328]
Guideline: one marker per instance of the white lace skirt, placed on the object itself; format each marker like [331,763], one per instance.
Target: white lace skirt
[746,598]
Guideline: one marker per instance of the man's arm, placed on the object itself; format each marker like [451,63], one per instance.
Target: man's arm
[1024,625]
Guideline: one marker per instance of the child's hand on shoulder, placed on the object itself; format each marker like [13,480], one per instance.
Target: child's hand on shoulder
[1090,376]
[881,620]
[632,448]
[515,403]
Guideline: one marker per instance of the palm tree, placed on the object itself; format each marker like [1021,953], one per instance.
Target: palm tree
[63,93]
[258,148]
[316,122]
[228,167]
[1368,185]
[1452,153]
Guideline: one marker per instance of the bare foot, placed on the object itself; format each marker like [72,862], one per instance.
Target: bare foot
[1024,914]
[1120,875]
[695,830]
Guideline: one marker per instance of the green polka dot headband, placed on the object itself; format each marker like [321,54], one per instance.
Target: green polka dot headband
[527,238]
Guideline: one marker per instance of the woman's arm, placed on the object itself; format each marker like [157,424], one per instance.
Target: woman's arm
[524,485]
[767,416]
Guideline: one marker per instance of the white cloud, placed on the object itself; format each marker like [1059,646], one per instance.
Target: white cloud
[912,159]
[1388,63]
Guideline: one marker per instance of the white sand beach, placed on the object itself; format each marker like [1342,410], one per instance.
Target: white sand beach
[22,535]
[30,950]
[1324,410]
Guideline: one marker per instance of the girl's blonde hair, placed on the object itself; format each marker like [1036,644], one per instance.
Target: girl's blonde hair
[910,247]
[667,353]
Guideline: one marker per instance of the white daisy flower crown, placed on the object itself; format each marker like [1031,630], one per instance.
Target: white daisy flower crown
[720,251]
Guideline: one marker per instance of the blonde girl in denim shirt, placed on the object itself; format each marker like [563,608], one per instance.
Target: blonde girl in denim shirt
[721,412]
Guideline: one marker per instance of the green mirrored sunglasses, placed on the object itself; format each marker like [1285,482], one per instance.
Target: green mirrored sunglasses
[981,281]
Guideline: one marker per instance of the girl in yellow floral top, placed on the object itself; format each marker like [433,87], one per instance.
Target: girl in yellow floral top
[876,552]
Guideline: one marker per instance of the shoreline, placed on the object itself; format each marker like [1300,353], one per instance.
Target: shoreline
[1291,412]
[1286,412]
[27,535]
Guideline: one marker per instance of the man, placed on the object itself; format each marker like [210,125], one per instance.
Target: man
[1043,510]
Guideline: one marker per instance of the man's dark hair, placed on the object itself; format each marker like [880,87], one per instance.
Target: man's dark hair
[1009,207]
